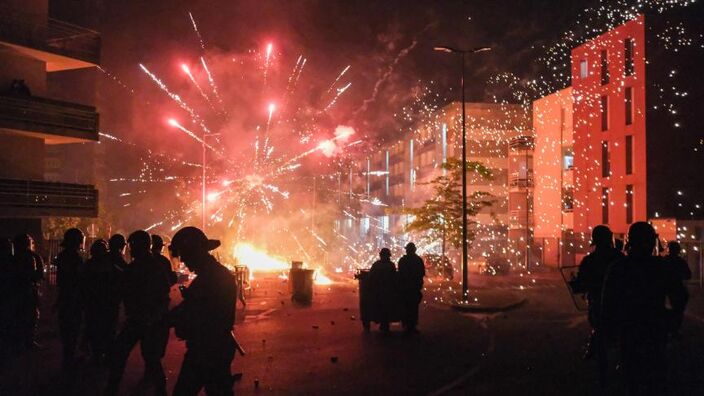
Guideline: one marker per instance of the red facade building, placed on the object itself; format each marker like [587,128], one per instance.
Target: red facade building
[637,132]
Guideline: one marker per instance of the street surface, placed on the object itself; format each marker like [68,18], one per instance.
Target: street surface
[321,349]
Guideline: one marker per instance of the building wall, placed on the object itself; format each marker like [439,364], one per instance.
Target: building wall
[399,170]
[594,176]
[553,162]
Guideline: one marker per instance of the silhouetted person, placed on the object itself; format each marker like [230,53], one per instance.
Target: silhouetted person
[143,292]
[99,287]
[164,262]
[411,271]
[116,248]
[618,244]
[116,257]
[677,262]
[69,265]
[205,317]
[162,330]
[589,280]
[20,88]
[636,288]
[7,297]
[29,269]
[382,275]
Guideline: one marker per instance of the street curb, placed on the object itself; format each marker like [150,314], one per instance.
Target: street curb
[486,308]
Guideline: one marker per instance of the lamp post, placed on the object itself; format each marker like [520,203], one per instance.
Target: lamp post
[203,166]
[465,268]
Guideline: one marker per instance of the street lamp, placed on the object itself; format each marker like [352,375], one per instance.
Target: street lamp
[203,165]
[465,269]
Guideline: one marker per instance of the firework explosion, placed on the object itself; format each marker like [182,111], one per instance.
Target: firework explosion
[256,148]
[254,161]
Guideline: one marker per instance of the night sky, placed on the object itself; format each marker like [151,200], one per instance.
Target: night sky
[368,35]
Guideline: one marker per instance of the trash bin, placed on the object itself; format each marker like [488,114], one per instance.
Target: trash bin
[369,304]
[301,281]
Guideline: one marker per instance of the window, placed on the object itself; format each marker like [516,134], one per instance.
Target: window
[604,67]
[629,204]
[628,55]
[583,68]
[604,113]
[629,105]
[629,155]
[567,200]
[567,158]
[605,166]
[605,205]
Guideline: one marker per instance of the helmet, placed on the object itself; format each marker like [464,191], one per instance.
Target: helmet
[385,252]
[117,242]
[191,239]
[73,238]
[410,246]
[157,242]
[641,237]
[22,241]
[99,248]
[139,240]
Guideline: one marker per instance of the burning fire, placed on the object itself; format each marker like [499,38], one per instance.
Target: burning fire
[320,279]
[258,260]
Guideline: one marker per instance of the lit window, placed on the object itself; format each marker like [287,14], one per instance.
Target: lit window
[583,69]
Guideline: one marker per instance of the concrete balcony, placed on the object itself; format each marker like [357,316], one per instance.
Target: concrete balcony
[61,45]
[516,183]
[53,120]
[30,198]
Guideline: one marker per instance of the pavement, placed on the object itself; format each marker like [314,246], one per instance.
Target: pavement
[321,349]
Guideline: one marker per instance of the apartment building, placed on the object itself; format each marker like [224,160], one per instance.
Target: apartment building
[34,45]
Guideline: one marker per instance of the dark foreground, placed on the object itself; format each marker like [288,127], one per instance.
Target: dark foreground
[534,349]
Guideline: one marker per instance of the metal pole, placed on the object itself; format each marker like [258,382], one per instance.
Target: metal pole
[465,269]
[203,187]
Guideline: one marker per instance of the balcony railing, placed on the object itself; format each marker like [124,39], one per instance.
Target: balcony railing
[48,116]
[49,35]
[517,181]
[519,218]
[40,198]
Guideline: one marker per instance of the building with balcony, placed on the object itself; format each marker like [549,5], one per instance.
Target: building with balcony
[637,132]
[624,142]
[33,47]
[553,204]
[396,176]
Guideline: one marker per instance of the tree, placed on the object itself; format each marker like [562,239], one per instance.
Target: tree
[441,215]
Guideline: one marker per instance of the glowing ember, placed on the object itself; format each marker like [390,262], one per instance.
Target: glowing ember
[258,260]
[320,279]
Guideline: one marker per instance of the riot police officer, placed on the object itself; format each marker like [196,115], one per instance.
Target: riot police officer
[205,317]
[69,267]
[143,291]
[411,271]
